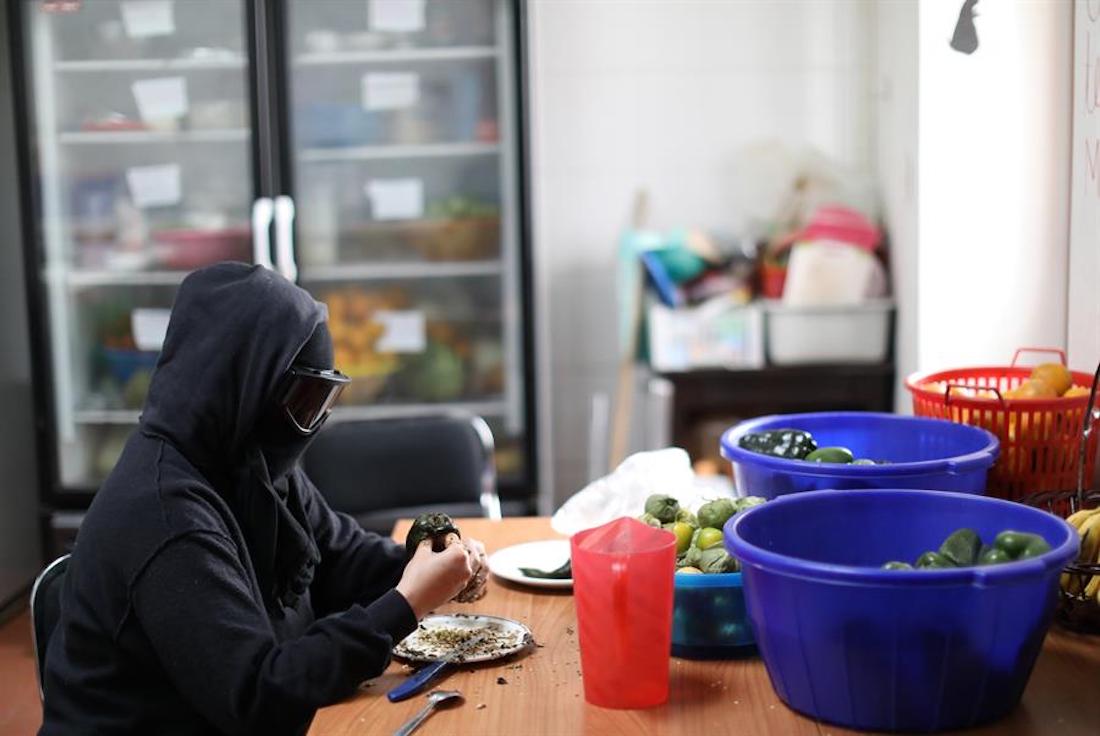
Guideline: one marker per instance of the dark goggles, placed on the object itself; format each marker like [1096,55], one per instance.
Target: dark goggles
[309,395]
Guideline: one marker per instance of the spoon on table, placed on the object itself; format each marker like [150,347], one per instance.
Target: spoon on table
[435,697]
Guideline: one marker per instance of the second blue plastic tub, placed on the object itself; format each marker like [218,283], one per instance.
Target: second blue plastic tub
[905,650]
[920,453]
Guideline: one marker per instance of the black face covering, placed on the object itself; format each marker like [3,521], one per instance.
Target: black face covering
[235,331]
[282,446]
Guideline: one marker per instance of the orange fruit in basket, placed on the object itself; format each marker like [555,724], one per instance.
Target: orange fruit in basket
[973,392]
[1032,389]
[1055,375]
[1076,391]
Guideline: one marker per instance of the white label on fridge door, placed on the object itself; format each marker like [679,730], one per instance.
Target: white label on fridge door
[154,186]
[162,98]
[396,199]
[400,16]
[390,90]
[146,18]
[149,326]
[404,331]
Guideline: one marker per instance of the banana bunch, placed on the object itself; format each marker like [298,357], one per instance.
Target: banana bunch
[1087,523]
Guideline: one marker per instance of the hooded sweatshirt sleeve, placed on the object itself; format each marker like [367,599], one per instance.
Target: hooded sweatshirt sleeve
[195,603]
[357,566]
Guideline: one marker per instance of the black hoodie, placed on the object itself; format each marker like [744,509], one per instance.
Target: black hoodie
[203,595]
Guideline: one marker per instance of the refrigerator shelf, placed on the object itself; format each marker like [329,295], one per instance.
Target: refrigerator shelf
[106,416]
[147,65]
[442,53]
[425,150]
[83,279]
[228,135]
[340,413]
[375,270]
[364,271]
[390,411]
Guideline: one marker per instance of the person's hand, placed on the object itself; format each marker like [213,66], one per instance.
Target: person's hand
[433,578]
[475,589]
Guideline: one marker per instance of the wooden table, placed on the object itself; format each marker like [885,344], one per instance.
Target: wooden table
[544,692]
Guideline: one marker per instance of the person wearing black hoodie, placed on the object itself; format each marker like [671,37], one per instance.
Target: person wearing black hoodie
[211,589]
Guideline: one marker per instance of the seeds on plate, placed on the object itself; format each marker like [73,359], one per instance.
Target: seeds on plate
[433,642]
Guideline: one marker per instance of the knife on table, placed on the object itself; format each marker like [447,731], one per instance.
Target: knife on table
[420,679]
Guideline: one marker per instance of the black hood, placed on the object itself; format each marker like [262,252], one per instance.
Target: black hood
[234,331]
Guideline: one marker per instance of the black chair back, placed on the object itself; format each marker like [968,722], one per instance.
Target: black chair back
[46,611]
[382,470]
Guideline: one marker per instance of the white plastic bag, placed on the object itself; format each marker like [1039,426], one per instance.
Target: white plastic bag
[624,492]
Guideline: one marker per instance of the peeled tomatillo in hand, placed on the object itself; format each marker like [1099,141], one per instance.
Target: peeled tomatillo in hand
[437,527]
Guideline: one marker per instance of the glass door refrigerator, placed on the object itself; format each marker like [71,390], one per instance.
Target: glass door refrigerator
[369,149]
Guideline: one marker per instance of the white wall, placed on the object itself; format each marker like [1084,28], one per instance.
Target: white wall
[896,136]
[661,94]
[993,182]
[1083,320]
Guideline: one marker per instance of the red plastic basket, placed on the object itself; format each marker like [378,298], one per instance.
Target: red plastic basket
[1040,438]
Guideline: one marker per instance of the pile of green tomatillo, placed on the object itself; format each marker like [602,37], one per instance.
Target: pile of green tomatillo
[964,548]
[699,547]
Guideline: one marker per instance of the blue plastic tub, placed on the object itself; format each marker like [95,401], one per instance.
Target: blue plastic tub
[921,453]
[708,617]
[907,650]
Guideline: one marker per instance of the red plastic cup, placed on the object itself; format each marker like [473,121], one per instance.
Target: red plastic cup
[622,586]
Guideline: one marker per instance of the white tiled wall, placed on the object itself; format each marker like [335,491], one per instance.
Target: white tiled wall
[661,94]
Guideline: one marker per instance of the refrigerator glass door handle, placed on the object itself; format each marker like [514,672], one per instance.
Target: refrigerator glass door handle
[284,237]
[263,209]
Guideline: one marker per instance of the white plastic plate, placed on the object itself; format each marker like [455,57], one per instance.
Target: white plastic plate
[549,554]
